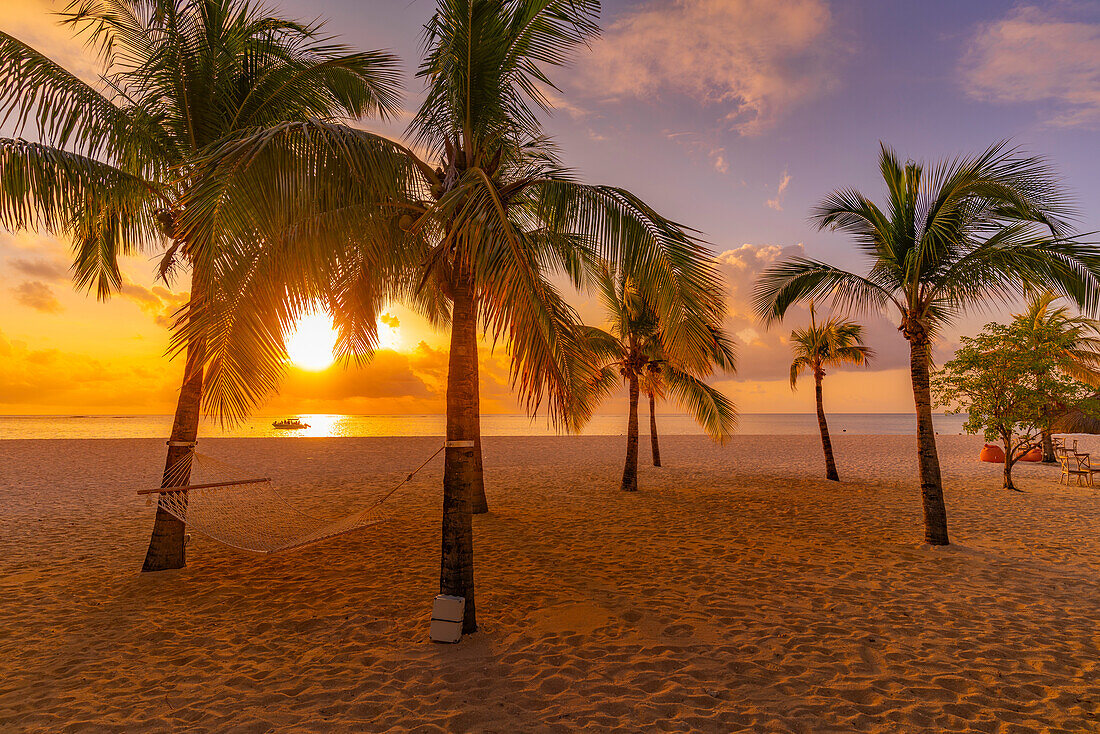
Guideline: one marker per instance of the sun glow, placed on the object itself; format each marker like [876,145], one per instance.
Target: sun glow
[311,345]
[389,335]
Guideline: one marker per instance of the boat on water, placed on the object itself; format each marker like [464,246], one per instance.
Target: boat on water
[290,424]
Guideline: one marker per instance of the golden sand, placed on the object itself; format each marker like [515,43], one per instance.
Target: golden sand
[738,591]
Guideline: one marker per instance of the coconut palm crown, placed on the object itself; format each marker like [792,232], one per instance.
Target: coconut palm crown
[118,157]
[836,342]
[966,232]
[633,351]
[475,204]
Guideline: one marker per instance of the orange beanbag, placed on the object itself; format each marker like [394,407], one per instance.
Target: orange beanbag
[1036,454]
[992,454]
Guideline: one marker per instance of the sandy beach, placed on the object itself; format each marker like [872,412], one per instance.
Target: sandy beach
[737,591]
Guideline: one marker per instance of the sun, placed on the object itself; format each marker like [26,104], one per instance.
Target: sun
[311,345]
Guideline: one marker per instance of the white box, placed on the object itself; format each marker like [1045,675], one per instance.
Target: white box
[446,631]
[449,608]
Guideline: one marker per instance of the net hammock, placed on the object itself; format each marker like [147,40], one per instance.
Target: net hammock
[246,512]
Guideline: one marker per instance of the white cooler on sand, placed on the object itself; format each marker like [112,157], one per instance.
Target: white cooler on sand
[447,613]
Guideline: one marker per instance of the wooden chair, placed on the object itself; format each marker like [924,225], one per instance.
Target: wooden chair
[1076,465]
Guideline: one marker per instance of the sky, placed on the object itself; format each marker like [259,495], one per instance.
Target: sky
[734,117]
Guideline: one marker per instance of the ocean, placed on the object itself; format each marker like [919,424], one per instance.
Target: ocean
[321,425]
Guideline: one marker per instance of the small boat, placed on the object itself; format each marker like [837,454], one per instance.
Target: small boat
[290,424]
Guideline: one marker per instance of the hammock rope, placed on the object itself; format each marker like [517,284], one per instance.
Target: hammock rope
[245,512]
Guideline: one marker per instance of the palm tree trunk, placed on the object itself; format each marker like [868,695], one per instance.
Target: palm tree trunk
[931,484]
[826,443]
[460,468]
[630,471]
[167,546]
[653,429]
[1048,449]
[479,505]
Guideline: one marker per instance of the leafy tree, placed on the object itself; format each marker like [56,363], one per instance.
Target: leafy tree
[970,231]
[475,210]
[633,351]
[1005,381]
[836,342]
[1075,344]
[118,159]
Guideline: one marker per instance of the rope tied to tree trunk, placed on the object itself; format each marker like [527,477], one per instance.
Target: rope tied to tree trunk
[228,505]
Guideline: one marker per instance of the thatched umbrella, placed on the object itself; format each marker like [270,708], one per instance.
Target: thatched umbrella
[1075,420]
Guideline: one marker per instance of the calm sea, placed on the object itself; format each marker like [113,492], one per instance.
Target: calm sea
[157,426]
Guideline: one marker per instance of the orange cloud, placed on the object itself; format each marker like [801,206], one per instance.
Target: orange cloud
[34,22]
[159,302]
[42,268]
[51,381]
[752,59]
[1037,56]
[37,295]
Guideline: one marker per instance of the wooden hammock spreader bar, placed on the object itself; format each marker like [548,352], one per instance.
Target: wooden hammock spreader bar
[185,488]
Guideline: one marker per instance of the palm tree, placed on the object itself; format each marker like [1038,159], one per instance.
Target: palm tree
[970,231]
[654,388]
[476,204]
[1074,340]
[633,351]
[836,342]
[117,159]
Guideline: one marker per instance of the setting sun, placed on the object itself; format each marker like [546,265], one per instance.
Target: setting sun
[311,345]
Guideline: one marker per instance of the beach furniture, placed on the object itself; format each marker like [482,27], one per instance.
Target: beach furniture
[1077,466]
[247,512]
[1035,454]
[992,454]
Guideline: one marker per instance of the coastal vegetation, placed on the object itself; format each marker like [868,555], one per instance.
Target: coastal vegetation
[967,232]
[474,215]
[838,341]
[633,351]
[1073,344]
[228,141]
[117,162]
[1006,379]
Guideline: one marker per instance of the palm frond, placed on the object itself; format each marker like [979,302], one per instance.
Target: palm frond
[712,410]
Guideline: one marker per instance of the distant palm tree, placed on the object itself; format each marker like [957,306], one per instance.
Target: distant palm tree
[654,388]
[118,158]
[634,351]
[1075,342]
[836,342]
[480,211]
[971,231]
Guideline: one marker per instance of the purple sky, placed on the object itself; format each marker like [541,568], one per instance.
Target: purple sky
[731,116]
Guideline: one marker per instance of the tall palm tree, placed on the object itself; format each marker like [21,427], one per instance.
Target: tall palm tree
[970,231]
[837,342]
[476,204]
[634,352]
[117,159]
[1073,339]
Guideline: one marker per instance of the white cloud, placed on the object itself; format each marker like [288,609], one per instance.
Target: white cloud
[751,59]
[784,182]
[1033,55]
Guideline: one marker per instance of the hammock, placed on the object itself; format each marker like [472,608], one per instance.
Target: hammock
[245,512]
